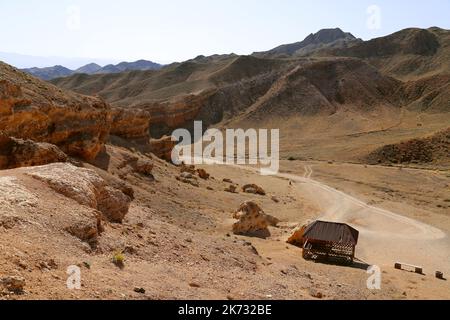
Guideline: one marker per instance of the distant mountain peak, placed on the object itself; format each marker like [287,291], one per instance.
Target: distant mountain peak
[329,35]
[89,68]
[323,38]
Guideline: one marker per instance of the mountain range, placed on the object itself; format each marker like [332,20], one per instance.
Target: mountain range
[58,71]
[330,84]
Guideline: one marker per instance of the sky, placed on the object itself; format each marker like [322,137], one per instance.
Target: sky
[177,30]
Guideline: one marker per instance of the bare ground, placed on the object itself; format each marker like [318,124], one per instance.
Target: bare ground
[177,239]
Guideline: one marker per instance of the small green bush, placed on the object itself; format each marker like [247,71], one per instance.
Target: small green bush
[119,259]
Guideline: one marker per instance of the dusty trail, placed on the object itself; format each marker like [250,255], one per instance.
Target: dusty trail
[385,237]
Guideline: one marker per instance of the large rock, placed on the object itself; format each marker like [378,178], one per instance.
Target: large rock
[86,226]
[84,186]
[296,238]
[252,220]
[36,110]
[163,147]
[15,153]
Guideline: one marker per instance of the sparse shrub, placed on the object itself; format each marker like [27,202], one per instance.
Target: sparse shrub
[119,259]
[291,158]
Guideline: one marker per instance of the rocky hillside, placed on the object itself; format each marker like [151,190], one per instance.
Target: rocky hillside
[434,149]
[33,109]
[407,54]
[79,125]
[228,87]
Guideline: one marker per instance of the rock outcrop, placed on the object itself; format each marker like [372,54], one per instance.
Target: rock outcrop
[162,148]
[20,207]
[144,166]
[252,220]
[15,153]
[33,109]
[433,149]
[86,187]
[170,115]
[133,124]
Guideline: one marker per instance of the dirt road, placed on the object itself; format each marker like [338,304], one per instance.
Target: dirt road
[385,236]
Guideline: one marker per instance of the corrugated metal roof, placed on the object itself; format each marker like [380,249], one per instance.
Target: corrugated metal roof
[332,232]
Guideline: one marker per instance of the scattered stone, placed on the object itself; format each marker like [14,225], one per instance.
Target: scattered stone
[144,166]
[130,250]
[253,189]
[22,264]
[13,284]
[203,174]
[316,293]
[275,199]
[192,182]
[139,290]
[187,175]
[194,285]
[232,189]
[189,169]
[227,180]
[210,188]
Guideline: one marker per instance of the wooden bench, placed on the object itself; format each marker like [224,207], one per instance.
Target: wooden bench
[440,275]
[401,266]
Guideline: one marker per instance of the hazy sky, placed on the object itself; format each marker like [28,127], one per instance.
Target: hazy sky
[175,30]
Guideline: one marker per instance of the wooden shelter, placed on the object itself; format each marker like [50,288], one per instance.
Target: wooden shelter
[330,240]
